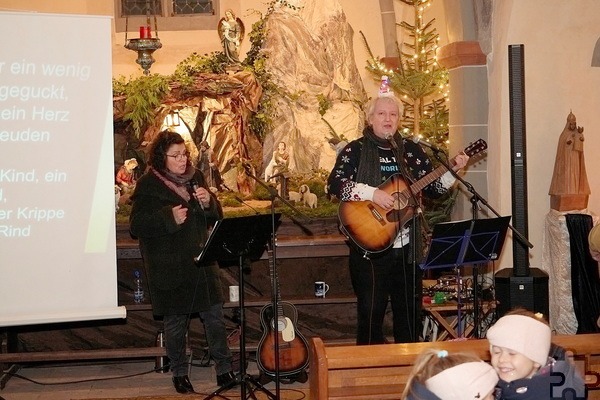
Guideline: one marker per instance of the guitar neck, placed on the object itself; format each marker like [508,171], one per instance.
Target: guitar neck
[275,282]
[427,179]
[472,149]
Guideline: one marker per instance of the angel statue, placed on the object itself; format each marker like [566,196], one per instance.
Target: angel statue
[231,32]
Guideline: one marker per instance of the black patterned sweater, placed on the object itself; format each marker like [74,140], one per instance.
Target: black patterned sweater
[342,180]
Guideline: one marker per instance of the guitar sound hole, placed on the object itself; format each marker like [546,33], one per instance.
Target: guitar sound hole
[401,201]
[399,211]
[281,324]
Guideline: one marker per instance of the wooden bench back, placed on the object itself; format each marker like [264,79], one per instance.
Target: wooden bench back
[381,371]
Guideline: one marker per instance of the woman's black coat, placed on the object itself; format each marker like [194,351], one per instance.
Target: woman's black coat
[177,285]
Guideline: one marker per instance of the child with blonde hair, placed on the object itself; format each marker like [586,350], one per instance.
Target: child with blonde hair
[520,344]
[438,375]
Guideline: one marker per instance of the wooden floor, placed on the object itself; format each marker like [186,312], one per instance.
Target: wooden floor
[111,380]
[335,322]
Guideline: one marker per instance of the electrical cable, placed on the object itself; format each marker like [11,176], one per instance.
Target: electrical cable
[16,375]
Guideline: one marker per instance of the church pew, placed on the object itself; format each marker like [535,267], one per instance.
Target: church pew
[381,371]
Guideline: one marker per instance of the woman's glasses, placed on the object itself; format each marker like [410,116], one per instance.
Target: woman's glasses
[179,156]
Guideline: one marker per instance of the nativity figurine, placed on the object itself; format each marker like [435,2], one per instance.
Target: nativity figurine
[231,31]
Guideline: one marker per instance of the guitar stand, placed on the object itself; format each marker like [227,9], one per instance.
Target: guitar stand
[272,257]
[230,239]
[248,385]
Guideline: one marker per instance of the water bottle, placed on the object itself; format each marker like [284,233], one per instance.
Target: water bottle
[138,289]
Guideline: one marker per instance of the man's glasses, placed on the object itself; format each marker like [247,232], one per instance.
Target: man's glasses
[179,156]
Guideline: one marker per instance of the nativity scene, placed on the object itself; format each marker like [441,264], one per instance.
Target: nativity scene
[245,120]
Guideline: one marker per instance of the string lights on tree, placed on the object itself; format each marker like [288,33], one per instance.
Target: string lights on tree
[418,80]
[422,85]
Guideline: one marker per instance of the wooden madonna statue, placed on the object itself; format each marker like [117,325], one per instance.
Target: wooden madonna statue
[569,189]
[231,31]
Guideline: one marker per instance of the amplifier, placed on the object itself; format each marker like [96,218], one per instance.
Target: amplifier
[529,292]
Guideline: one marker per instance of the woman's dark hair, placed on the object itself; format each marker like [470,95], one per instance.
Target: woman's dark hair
[159,146]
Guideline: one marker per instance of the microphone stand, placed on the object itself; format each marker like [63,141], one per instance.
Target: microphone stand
[274,195]
[475,199]
[413,233]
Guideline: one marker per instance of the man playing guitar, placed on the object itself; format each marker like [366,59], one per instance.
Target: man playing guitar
[385,272]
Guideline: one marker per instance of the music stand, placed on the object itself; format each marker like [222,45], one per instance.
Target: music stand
[457,244]
[236,239]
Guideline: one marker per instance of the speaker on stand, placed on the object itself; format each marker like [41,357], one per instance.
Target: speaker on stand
[520,286]
[530,292]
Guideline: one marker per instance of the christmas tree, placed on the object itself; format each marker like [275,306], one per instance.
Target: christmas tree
[417,79]
[422,85]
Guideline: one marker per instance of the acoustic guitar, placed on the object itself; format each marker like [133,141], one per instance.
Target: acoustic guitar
[374,229]
[293,347]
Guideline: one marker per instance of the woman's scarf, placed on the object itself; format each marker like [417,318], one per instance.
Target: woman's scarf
[175,182]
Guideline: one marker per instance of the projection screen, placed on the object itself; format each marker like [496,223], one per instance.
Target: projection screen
[57,207]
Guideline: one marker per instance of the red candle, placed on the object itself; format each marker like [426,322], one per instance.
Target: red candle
[145,32]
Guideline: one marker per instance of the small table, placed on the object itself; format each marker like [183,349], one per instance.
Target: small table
[444,318]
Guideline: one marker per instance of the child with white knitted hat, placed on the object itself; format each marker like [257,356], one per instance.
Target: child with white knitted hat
[438,375]
[520,345]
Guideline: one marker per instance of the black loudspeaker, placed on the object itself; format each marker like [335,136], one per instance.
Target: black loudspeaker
[520,286]
[529,292]
[516,92]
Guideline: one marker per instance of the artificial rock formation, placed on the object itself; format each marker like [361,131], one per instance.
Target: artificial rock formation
[310,55]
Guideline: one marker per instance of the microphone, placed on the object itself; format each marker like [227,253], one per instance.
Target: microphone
[277,175]
[416,140]
[247,167]
[226,187]
[390,138]
[194,186]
